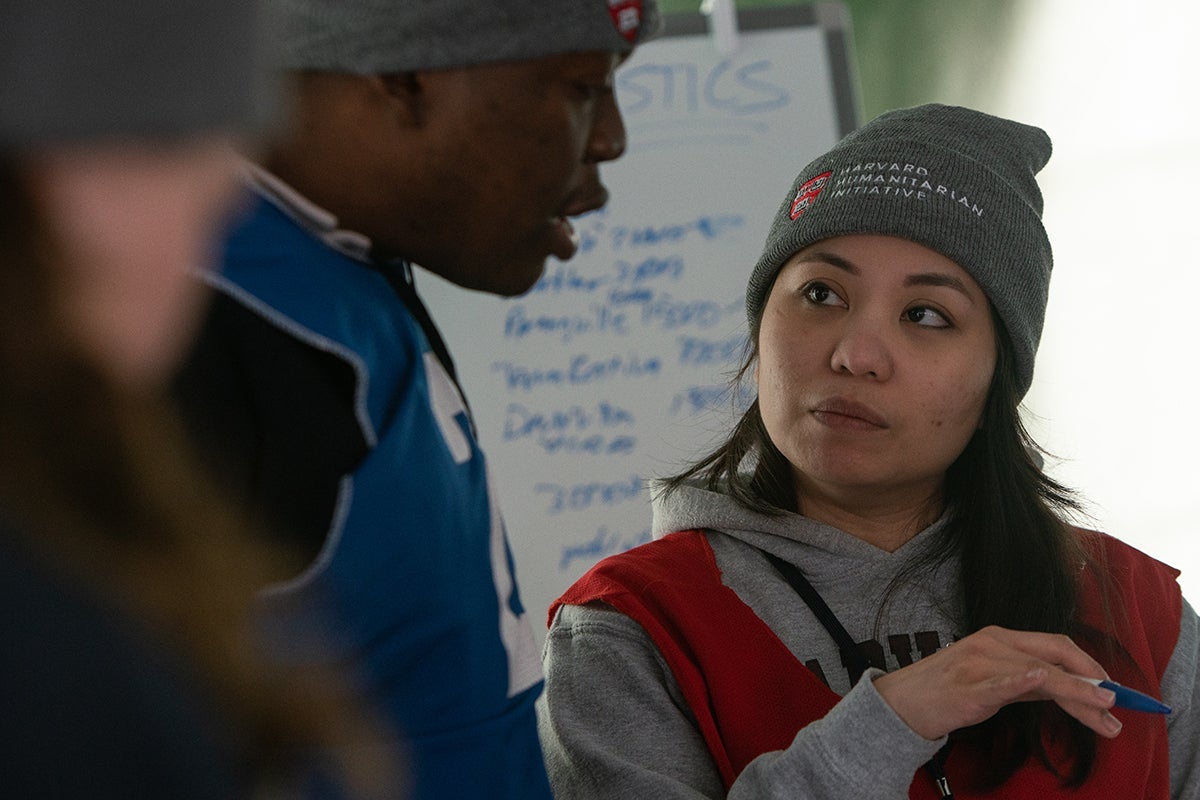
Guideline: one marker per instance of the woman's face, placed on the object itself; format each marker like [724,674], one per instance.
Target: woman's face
[132,222]
[875,359]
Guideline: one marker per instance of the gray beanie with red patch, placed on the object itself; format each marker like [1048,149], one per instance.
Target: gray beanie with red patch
[123,69]
[953,179]
[388,36]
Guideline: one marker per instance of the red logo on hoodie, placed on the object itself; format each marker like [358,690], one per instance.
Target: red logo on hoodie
[626,16]
[807,194]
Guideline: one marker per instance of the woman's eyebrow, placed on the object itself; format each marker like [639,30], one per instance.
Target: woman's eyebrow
[822,257]
[939,279]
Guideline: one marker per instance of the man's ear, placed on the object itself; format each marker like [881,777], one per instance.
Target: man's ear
[405,93]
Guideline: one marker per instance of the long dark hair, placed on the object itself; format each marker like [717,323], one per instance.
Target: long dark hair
[98,483]
[1020,559]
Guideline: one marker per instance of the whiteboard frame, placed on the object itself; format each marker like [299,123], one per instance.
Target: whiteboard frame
[832,17]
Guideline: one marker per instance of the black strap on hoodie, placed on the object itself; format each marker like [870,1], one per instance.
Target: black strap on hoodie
[399,274]
[852,656]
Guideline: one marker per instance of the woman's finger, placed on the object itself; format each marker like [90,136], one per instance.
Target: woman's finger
[960,686]
[1052,648]
[1086,702]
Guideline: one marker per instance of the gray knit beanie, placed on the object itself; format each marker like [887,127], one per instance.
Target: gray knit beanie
[72,71]
[955,180]
[382,36]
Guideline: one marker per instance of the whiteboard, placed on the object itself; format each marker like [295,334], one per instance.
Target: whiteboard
[615,367]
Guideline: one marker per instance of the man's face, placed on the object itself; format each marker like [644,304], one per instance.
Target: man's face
[509,153]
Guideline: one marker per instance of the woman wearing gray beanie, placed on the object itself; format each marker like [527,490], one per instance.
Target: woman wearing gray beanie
[788,632]
[130,667]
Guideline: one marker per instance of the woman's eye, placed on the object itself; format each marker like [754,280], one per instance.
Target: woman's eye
[923,315]
[822,295]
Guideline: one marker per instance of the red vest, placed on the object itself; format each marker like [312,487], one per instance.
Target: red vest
[672,588]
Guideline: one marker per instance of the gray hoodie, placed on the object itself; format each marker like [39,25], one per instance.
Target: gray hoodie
[614,724]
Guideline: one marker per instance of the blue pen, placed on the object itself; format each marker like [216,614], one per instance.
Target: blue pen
[1130,698]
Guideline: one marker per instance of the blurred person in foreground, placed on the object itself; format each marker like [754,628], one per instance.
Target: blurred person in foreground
[131,664]
[460,137]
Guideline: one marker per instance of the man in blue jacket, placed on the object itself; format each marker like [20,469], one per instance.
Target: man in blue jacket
[460,136]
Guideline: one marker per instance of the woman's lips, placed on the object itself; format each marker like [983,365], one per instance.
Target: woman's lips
[839,412]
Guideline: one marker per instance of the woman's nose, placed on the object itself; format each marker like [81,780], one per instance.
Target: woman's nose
[863,350]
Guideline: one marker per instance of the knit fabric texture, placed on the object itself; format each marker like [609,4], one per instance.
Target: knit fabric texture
[958,181]
[387,36]
[131,69]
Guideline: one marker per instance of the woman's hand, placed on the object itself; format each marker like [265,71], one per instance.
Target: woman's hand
[969,682]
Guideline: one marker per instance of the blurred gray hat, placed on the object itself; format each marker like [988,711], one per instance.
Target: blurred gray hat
[77,71]
[386,36]
[958,181]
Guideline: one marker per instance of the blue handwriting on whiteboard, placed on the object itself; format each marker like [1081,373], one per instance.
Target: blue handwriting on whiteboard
[521,421]
[583,496]
[664,311]
[595,444]
[580,369]
[706,227]
[596,231]
[649,269]
[624,309]
[696,399]
[696,352]
[564,278]
[603,543]
[574,429]
[519,322]
[689,89]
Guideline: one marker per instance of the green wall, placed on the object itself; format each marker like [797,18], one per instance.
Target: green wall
[916,51]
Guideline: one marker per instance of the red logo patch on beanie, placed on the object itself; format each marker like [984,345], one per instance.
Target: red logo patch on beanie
[626,16]
[807,194]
